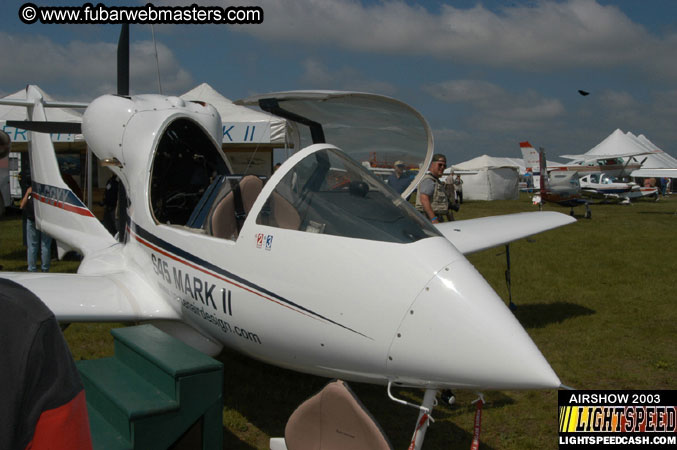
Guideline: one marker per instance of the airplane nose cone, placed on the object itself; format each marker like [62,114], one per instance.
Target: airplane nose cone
[458,333]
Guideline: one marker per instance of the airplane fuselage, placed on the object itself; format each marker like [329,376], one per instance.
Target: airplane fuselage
[365,310]
[321,269]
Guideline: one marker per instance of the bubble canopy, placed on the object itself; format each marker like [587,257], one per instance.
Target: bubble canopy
[369,128]
[327,192]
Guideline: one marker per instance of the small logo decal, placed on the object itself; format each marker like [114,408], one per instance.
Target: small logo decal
[267,238]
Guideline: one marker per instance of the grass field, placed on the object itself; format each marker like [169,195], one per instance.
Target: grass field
[597,297]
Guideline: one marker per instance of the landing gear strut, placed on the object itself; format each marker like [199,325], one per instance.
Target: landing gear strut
[424,415]
[588,213]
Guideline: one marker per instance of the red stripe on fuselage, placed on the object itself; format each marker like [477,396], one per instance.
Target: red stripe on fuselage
[65,206]
[207,272]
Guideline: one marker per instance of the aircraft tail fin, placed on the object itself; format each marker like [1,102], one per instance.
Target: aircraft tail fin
[530,156]
[58,211]
[534,161]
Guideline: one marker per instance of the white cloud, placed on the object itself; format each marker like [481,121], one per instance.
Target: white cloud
[534,36]
[318,76]
[490,107]
[614,100]
[84,70]
[655,116]
[459,91]
[316,73]
[451,135]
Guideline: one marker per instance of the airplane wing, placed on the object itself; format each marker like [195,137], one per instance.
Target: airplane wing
[115,297]
[586,157]
[658,173]
[474,235]
[594,193]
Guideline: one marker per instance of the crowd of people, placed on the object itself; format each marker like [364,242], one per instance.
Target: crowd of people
[664,184]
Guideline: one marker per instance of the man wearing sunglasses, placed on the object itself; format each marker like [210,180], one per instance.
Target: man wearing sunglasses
[431,199]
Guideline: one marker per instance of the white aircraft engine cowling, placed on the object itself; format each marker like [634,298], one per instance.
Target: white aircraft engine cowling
[104,123]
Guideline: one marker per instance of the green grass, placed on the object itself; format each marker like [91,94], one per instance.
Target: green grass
[597,297]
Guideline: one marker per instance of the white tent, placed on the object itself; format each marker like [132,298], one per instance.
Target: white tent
[241,125]
[618,143]
[489,178]
[19,136]
[522,167]
[657,163]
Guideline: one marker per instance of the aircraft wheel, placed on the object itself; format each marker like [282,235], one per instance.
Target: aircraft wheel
[588,214]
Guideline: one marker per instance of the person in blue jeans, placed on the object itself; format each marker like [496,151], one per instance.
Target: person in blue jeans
[35,239]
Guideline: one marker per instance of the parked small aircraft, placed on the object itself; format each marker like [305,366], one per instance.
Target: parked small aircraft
[609,188]
[558,187]
[322,269]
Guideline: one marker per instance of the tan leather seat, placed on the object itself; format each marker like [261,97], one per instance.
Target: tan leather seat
[223,222]
[334,419]
[283,214]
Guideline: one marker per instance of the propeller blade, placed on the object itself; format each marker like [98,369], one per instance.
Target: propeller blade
[47,127]
[123,61]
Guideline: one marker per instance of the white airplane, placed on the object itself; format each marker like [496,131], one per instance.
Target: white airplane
[321,269]
[609,188]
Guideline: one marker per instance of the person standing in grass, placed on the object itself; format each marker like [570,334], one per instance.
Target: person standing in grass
[431,199]
[35,238]
[458,185]
[5,147]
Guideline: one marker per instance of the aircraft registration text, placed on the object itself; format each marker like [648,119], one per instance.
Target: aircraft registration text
[193,287]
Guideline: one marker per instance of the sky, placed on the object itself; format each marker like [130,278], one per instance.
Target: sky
[485,74]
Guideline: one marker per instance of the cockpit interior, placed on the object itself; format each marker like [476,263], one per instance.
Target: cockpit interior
[325,192]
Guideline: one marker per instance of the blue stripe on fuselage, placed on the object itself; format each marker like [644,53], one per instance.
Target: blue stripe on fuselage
[179,252]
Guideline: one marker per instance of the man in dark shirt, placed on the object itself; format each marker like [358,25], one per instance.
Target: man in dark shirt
[42,398]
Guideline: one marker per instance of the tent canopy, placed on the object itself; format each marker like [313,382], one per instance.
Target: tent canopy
[657,163]
[241,125]
[18,135]
[486,162]
[619,143]
[489,178]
